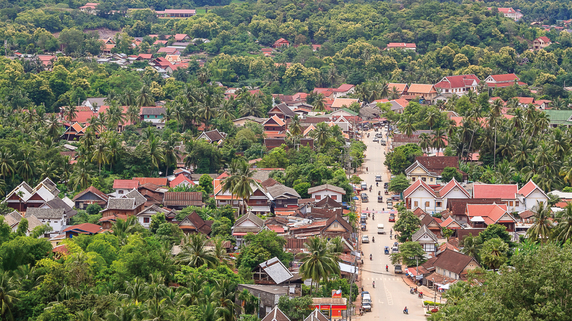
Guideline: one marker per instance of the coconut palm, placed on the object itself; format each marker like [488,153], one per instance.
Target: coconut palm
[80,178]
[154,150]
[295,128]
[70,112]
[542,226]
[319,262]
[6,162]
[8,292]
[132,114]
[193,252]
[471,246]
[145,97]
[319,103]
[240,181]
[432,117]
[563,230]
[321,134]
[439,139]
[26,165]
[407,125]
[100,153]
[494,253]
[424,141]
[170,152]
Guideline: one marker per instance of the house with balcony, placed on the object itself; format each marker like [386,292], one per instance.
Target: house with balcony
[427,239]
[89,196]
[247,223]
[516,200]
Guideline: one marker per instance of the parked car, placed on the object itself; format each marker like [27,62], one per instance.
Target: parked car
[363,185]
[365,239]
[392,218]
[363,227]
[397,269]
[389,205]
[376,140]
[364,198]
[383,143]
[378,178]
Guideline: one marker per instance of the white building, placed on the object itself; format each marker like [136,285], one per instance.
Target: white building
[516,200]
[55,218]
[322,191]
[420,195]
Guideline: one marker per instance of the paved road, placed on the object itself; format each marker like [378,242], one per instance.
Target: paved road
[390,294]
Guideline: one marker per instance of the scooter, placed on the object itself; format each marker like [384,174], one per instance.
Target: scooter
[373,239]
[405,311]
[420,295]
[374,284]
[370,257]
[373,217]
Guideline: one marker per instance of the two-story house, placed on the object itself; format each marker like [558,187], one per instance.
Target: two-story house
[128,205]
[322,191]
[153,115]
[541,43]
[193,223]
[427,239]
[55,218]
[457,85]
[433,199]
[274,124]
[509,194]
[144,217]
[530,195]
[24,196]
[503,80]
[260,200]
[284,197]
[429,168]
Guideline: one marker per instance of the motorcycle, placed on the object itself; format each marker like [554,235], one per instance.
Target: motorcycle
[370,257]
[373,239]
[374,284]
[386,268]
[373,217]
[420,295]
[390,236]
[405,311]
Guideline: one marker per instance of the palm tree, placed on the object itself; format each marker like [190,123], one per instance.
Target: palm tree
[424,141]
[122,228]
[295,128]
[319,262]
[54,126]
[100,153]
[439,139]
[322,133]
[154,150]
[542,226]
[319,103]
[493,253]
[115,116]
[406,125]
[26,165]
[563,231]
[70,112]
[193,252]
[471,246]
[240,180]
[250,105]
[432,117]
[170,152]
[6,162]
[80,178]
[145,97]
[207,109]
[133,114]
[8,294]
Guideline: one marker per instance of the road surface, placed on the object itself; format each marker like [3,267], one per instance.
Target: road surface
[390,294]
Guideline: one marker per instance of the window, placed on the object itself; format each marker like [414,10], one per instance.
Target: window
[120,191]
[335,197]
[431,179]
[318,197]
[426,204]
[336,225]
[510,203]
[516,203]
[424,179]
[438,204]
[416,204]
[413,179]
[145,220]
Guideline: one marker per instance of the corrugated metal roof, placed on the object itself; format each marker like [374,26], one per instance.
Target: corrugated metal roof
[276,270]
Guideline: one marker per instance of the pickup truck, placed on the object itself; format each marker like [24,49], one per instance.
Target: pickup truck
[397,269]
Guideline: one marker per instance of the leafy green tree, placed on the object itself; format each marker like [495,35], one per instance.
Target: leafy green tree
[206,182]
[407,225]
[261,247]
[93,209]
[399,183]
[221,227]
[58,312]
[156,221]
[23,250]
[302,189]
[449,173]
[296,309]
[402,157]
[495,231]
[493,253]
[408,251]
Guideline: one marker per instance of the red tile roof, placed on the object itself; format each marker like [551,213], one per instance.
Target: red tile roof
[502,191]
[544,39]
[460,81]
[85,228]
[179,179]
[418,184]
[161,181]
[491,211]
[125,184]
[449,186]
[401,45]
[505,77]
[344,88]
[525,100]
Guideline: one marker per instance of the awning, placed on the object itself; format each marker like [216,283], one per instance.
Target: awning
[239,234]
[260,208]
[348,268]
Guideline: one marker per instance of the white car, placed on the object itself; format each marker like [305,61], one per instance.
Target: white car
[365,239]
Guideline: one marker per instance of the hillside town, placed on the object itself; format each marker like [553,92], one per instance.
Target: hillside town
[284,161]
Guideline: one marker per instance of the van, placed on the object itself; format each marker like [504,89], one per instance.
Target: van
[380,229]
[366,298]
[363,185]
